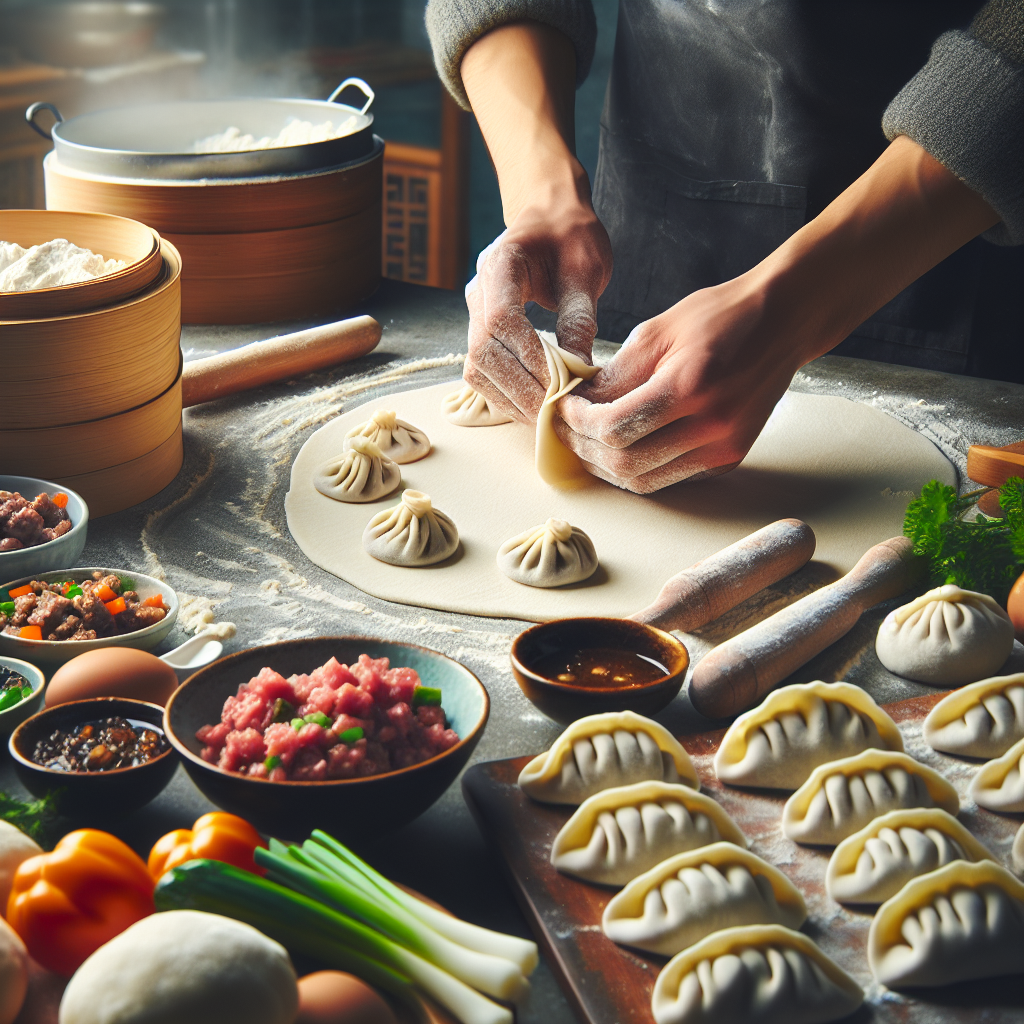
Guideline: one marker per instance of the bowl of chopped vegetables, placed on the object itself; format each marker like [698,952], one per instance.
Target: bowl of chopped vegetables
[49,618]
[21,693]
[43,526]
[351,734]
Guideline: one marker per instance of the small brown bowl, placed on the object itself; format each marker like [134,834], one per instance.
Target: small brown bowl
[92,796]
[566,702]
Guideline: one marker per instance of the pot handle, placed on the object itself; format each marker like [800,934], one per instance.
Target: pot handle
[30,116]
[357,82]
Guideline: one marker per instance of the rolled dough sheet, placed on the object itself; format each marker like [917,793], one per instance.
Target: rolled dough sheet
[846,469]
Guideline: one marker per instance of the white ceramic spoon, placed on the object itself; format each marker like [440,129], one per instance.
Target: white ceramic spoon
[194,653]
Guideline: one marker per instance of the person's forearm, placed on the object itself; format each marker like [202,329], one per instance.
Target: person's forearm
[904,215]
[521,82]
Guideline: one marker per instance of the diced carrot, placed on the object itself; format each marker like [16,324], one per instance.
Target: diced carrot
[105,594]
[20,591]
[60,499]
[31,633]
[116,606]
[156,601]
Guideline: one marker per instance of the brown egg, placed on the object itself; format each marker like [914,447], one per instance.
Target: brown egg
[112,672]
[1015,608]
[332,997]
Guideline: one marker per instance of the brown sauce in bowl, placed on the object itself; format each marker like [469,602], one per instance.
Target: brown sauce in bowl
[100,745]
[600,668]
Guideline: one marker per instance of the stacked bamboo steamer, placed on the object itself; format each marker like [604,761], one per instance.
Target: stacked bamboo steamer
[91,381]
[254,250]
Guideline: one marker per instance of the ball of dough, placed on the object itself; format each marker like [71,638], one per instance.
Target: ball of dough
[13,973]
[184,967]
[549,556]
[15,847]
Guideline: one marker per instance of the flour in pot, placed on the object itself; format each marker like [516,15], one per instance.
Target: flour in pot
[295,133]
[50,265]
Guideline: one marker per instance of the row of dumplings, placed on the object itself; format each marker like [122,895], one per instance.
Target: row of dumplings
[414,533]
[693,892]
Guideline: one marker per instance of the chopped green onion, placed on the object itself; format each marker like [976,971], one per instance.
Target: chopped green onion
[298,723]
[75,591]
[8,698]
[26,692]
[283,711]
[351,735]
[428,695]
[7,607]
[272,762]
[318,718]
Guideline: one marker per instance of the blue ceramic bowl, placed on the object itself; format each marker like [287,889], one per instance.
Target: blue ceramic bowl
[56,554]
[351,809]
[13,717]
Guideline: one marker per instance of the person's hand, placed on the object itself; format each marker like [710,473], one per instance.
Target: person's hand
[688,393]
[557,254]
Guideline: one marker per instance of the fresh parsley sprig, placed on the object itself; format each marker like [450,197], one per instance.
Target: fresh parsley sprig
[38,819]
[982,554]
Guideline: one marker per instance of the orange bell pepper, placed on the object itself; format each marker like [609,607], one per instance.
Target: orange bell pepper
[116,606]
[216,836]
[68,903]
[20,591]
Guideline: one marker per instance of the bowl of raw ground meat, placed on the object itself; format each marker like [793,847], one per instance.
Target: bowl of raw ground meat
[353,735]
[82,609]
[34,536]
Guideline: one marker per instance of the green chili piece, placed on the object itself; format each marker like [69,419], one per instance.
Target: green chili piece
[7,607]
[426,695]
[8,698]
[318,718]
[272,762]
[26,692]
[283,711]
[75,591]
[298,723]
[351,735]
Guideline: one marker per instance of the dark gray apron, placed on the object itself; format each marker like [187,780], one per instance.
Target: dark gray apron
[729,123]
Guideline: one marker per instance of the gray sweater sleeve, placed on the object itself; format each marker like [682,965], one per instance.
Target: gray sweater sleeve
[454,25]
[966,108]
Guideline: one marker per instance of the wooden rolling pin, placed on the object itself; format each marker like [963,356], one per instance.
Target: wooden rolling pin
[290,355]
[993,467]
[739,672]
[721,581]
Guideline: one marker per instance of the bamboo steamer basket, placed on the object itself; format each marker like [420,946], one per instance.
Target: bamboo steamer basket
[254,249]
[86,366]
[95,445]
[111,237]
[119,487]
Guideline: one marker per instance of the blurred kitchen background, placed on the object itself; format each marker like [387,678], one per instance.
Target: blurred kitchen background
[85,56]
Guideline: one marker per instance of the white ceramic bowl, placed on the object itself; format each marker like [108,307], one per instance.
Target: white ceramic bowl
[13,717]
[55,554]
[52,653]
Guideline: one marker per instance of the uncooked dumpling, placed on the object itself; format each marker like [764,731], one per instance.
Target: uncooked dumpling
[1018,851]
[620,833]
[362,473]
[401,442]
[549,555]
[781,741]
[999,784]
[946,637]
[961,922]
[756,974]
[411,533]
[984,719]
[875,863]
[598,752]
[689,896]
[556,464]
[841,797]
[468,408]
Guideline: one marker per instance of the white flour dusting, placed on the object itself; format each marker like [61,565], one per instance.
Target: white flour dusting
[197,615]
[50,265]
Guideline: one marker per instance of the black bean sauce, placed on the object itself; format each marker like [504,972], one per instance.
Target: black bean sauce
[98,746]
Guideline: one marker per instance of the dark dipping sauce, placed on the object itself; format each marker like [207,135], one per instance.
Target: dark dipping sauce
[600,668]
[100,746]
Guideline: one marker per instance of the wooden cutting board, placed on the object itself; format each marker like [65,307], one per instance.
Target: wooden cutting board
[609,984]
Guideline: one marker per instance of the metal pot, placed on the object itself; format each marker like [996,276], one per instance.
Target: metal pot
[155,140]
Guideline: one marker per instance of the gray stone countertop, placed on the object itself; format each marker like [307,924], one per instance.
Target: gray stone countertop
[218,533]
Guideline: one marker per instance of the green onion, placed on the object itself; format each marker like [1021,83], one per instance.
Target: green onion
[351,735]
[427,695]
[75,591]
[318,718]
[272,762]
[298,723]
[283,711]
[7,607]
[8,698]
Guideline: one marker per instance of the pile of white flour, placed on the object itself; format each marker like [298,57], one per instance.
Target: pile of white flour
[50,265]
[295,133]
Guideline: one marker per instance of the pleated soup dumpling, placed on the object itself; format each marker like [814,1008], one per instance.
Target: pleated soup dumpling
[961,922]
[689,896]
[413,533]
[598,752]
[620,833]
[401,442]
[983,719]
[361,473]
[947,637]
[755,974]
[549,556]
[841,797]
[876,862]
[468,408]
[796,728]
[999,784]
